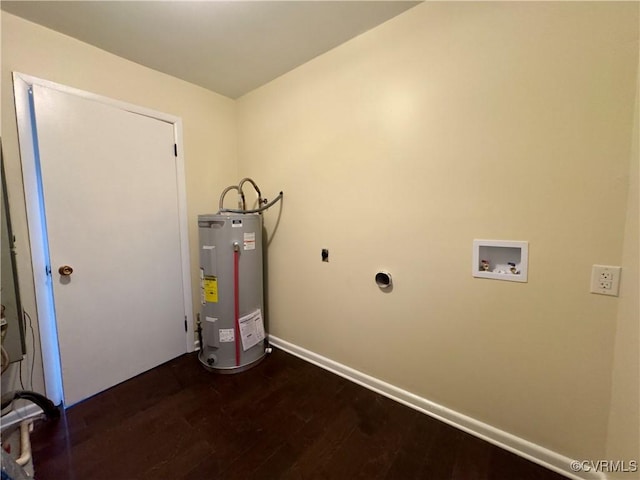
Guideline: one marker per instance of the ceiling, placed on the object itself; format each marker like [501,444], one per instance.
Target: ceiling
[229,47]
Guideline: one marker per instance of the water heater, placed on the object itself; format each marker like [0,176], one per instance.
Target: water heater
[232,323]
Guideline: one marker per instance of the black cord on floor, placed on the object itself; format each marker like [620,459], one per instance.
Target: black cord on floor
[20,373]
[33,350]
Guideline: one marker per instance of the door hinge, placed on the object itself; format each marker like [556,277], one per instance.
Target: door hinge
[185,323]
[175,149]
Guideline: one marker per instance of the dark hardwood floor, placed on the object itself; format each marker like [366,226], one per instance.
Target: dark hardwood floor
[283,419]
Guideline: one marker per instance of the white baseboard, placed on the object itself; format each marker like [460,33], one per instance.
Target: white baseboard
[20,414]
[519,446]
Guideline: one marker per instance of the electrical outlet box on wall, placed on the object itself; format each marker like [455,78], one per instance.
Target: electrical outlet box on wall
[605,280]
[506,260]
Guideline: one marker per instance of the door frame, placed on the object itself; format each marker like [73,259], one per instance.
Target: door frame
[36,221]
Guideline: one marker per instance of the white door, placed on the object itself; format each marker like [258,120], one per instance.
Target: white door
[110,194]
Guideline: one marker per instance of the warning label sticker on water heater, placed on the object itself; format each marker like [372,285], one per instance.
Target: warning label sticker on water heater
[211,289]
[250,241]
[251,329]
[226,335]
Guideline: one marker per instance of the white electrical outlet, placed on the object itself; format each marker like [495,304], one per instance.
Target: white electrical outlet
[605,280]
[605,284]
[606,275]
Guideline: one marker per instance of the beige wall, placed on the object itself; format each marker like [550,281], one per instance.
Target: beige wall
[624,421]
[451,122]
[208,123]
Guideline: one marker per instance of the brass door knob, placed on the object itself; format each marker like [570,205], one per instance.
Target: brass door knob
[65,270]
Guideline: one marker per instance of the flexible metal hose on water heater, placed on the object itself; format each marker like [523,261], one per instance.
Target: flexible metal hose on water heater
[242,204]
[255,187]
[254,210]
[224,192]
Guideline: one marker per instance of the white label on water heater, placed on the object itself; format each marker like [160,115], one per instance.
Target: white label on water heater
[226,335]
[251,329]
[250,241]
